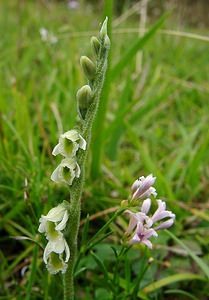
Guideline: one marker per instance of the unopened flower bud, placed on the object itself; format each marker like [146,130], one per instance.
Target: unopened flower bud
[107,42]
[103,30]
[124,203]
[84,97]
[88,67]
[166,224]
[142,187]
[95,44]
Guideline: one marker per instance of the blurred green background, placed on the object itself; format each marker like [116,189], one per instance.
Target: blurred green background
[153,118]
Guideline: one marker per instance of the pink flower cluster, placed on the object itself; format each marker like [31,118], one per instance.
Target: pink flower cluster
[142,226]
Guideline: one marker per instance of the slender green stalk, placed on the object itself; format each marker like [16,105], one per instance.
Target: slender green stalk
[32,273]
[77,187]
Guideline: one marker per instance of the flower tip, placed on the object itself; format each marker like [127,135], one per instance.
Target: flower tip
[103,30]
[142,187]
[135,185]
[151,179]
[107,42]
[54,175]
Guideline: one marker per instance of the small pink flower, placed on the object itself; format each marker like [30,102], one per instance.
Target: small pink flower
[135,218]
[161,212]
[142,187]
[142,225]
[142,235]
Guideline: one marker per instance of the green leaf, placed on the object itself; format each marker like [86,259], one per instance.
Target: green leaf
[181,292]
[169,280]
[98,128]
[85,231]
[101,265]
[131,52]
[32,273]
[197,259]
[101,294]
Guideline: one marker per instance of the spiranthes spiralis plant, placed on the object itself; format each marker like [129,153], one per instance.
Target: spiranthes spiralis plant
[61,249]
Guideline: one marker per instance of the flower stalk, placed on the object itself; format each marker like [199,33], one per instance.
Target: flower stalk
[95,82]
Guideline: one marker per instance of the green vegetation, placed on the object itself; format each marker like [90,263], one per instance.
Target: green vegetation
[155,122]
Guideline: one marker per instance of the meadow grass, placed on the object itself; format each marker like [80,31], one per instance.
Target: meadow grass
[152,122]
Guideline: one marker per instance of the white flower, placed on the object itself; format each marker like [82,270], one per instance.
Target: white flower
[44,34]
[66,171]
[142,187]
[135,218]
[53,255]
[140,224]
[146,206]
[47,37]
[55,263]
[55,220]
[57,247]
[69,143]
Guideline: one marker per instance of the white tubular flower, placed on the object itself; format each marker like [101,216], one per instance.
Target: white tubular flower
[57,247]
[161,213]
[142,187]
[142,235]
[56,264]
[69,143]
[66,171]
[53,255]
[140,224]
[55,220]
[146,206]
[135,218]
[165,224]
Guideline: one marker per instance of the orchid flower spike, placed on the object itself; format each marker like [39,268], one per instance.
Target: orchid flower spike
[140,224]
[69,143]
[66,171]
[142,187]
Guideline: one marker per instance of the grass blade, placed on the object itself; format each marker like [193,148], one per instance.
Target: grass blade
[197,259]
[131,52]
[112,74]
[169,280]
[32,273]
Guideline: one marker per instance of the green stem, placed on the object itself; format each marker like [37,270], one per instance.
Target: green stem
[77,187]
